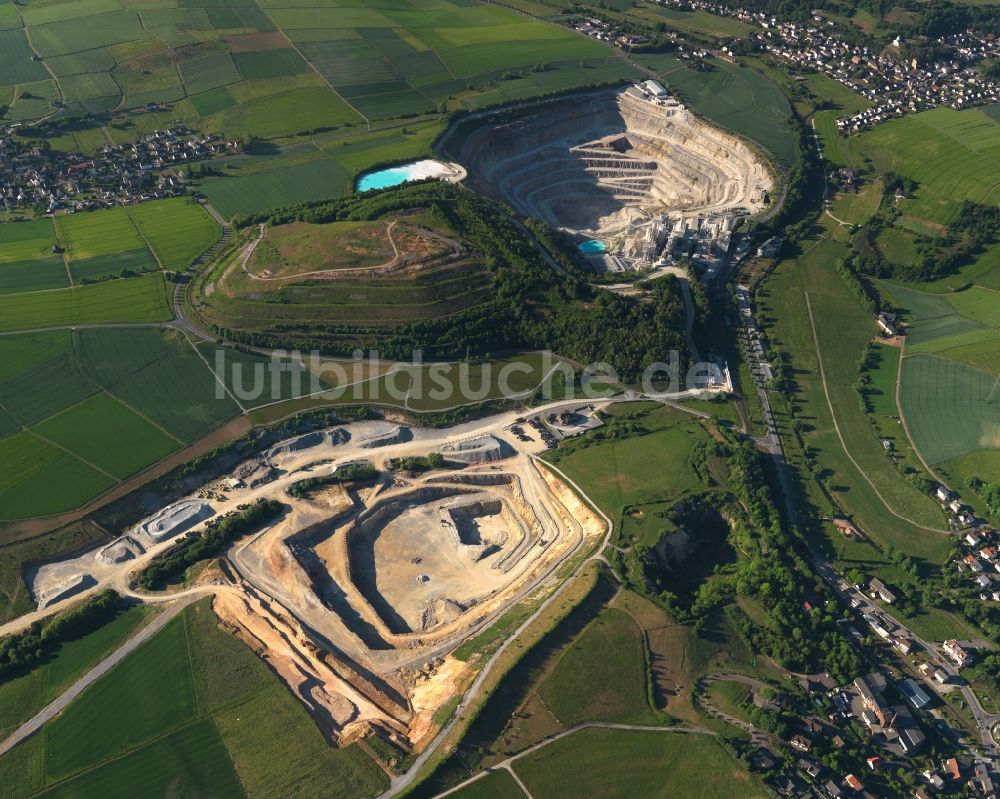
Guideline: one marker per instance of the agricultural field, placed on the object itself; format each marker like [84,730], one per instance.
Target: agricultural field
[949,392]
[277,187]
[390,59]
[24,241]
[26,259]
[193,709]
[292,73]
[23,696]
[951,409]
[39,274]
[176,230]
[138,299]
[947,152]
[88,409]
[617,763]
[100,244]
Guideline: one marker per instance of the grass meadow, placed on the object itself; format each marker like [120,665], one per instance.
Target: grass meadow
[601,676]
[606,764]
[843,329]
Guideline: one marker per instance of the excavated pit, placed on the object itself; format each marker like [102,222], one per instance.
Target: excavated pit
[427,556]
[594,163]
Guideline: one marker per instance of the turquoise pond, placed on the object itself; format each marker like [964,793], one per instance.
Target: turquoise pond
[385,178]
[394,176]
[593,245]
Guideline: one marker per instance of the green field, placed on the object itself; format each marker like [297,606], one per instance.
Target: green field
[210,71]
[951,409]
[176,390]
[735,97]
[37,479]
[139,299]
[105,232]
[277,187]
[601,676]
[23,696]
[98,406]
[177,230]
[16,65]
[192,712]
[191,761]
[22,241]
[150,693]
[37,275]
[105,433]
[950,154]
[605,764]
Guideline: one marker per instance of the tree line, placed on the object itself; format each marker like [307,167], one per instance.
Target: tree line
[217,535]
[22,651]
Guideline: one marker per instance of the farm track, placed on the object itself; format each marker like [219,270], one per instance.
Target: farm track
[507,765]
[840,435]
[404,781]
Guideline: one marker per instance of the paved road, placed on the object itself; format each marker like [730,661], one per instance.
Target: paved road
[52,710]
[984,719]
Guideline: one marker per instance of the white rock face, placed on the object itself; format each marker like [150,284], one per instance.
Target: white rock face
[596,163]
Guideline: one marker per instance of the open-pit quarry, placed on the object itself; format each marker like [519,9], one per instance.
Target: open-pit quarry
[359,593]
[632,168]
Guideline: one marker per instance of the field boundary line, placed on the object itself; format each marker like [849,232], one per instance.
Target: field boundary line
[105,390]
[63,254]
[145,241]
[141,415]
[73,454]
[840,436]
[214,375]
[312,66]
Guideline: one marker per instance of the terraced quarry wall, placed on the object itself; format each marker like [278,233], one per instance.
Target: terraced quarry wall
[589,162]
